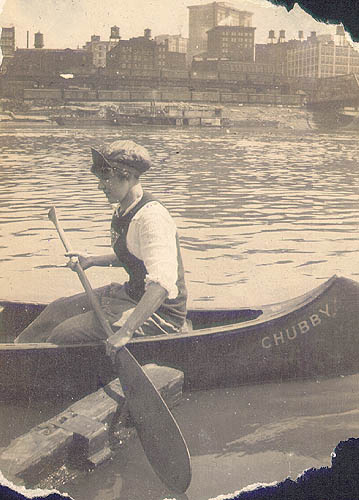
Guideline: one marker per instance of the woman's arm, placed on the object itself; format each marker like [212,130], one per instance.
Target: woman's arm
[87,261]
[151,300]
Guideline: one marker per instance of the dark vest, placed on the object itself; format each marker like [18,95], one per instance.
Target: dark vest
[172,309]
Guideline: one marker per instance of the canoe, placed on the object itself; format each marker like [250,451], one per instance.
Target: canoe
[313,335]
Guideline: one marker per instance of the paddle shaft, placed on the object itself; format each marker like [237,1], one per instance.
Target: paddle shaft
[160,436]
[81,274]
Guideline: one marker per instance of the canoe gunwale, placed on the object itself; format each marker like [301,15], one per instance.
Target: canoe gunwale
[271,312]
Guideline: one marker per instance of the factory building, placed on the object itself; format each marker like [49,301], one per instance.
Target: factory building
[143,56]
[317,56]
[202,18]
[40,62]
[323,56]
[99,48]
[232,42]
[176,43]
[275,51]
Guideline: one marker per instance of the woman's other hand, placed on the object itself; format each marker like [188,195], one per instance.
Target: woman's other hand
[83,259]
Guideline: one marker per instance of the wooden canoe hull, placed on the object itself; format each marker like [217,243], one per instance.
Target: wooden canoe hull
[309,336]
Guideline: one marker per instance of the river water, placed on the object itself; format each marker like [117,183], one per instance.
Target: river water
[263,215]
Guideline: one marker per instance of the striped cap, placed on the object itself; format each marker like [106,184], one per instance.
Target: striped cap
[120,154]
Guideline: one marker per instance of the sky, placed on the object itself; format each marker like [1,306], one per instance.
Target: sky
[70,23]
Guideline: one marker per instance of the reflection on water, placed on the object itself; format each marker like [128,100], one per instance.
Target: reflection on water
[262,217]
[238,437]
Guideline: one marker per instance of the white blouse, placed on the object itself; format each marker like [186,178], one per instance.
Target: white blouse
[151,238]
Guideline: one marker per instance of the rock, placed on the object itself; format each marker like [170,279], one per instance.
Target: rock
[79,436]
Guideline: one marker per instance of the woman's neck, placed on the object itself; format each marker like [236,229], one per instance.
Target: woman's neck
[133,195]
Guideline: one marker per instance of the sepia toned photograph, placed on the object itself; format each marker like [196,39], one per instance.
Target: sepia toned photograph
[179,285]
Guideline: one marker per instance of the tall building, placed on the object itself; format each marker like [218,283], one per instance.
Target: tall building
[323,56]
[231,42]
[99,48]
[7,42]
[204,17]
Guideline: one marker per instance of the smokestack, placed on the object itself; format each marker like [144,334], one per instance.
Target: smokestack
[27,39]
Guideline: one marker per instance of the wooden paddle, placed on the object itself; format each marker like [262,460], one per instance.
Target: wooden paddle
[157,429]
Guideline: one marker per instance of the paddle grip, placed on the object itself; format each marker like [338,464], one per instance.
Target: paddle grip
[81,274]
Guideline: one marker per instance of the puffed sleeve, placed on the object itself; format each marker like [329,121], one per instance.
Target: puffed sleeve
[158,247]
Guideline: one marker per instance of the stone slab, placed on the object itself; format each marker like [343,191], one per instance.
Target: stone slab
[36,453]
[81,430]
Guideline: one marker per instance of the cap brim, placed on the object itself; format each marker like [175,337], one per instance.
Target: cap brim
[98,159]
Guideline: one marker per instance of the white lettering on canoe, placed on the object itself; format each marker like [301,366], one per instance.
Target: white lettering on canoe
[326,312]
[302,327]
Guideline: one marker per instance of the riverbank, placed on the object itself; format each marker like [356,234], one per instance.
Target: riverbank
[90,114]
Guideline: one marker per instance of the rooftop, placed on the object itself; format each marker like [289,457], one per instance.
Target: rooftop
[220,4]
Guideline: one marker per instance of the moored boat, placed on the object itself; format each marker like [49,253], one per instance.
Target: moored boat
[308,336]
[174,115]
[81,116]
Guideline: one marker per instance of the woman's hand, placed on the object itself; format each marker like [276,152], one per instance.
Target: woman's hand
[83,259]
[116,341]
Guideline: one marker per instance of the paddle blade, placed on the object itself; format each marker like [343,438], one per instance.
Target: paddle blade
[160,436]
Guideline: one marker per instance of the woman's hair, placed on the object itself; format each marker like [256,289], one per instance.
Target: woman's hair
[126,173]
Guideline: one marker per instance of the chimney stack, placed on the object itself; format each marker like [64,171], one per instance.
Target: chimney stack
[300,35]
[271,36]
[147,33]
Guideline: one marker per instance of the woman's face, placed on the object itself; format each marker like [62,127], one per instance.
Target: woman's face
[115,187]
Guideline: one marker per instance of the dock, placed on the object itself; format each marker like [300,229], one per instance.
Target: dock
[82,437]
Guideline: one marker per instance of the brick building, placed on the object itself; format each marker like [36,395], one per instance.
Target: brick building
[204,17]
[143,56]
[99,48]
[45,62]
[225,69]
[232,42]
[275,51]
[176,43]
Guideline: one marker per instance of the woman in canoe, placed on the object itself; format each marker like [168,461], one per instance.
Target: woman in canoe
[145,242]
